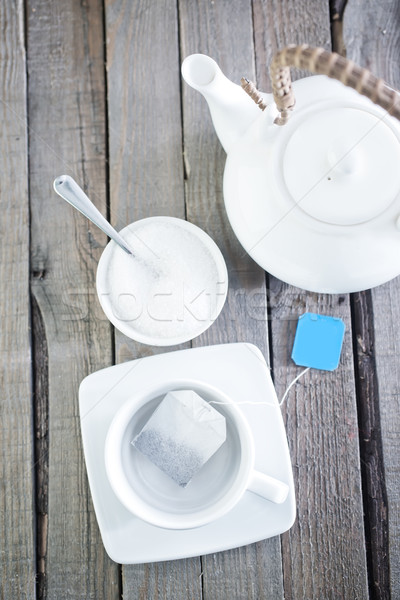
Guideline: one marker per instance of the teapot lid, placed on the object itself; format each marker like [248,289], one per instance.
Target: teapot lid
[341,165]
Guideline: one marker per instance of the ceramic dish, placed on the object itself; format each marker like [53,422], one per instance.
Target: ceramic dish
[171,290]
[238,371]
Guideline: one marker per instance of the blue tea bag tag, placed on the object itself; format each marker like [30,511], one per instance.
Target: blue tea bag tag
[318,341]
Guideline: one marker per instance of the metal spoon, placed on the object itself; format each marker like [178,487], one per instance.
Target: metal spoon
[67,188]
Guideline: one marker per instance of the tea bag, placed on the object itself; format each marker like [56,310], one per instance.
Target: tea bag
[181,435]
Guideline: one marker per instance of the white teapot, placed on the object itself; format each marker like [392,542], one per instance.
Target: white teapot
[314,198]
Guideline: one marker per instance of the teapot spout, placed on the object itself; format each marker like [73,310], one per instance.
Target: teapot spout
[232,110]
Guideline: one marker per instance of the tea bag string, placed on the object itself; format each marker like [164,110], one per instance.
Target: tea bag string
[285,395]
[289,387]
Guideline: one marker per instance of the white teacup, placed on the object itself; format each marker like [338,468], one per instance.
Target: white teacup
[154,497]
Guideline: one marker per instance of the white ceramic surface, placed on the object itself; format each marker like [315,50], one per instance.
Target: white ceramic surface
[151,495]
[317,201]
[239,372]
[171,290]
[232,110]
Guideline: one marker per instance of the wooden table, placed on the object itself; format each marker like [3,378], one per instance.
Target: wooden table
[95,91]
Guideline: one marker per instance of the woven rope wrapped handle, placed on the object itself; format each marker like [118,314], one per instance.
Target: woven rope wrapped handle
[318,60]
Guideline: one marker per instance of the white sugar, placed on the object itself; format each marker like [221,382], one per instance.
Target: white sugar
[173,287]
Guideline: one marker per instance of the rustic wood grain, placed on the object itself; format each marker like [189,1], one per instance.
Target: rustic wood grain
[278,23]
[40,360]
[370,436]
[224,31]
[324,553]
[180,579]
[372,37]
[337,8]
[386,311]
[17,550]
[324,550]
[146,179]
[164,158]
[145,133]
[67,134]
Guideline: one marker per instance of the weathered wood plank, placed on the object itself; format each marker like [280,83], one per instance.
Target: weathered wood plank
[371,34]
[145,133]
[324,550]
[179,579]
[324,553]
[386,310]
[370,436]
[17,545]
[277,24]
[224,31]
[146,179]
[67,134]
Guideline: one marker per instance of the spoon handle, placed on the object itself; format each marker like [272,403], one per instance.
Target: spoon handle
[67,188]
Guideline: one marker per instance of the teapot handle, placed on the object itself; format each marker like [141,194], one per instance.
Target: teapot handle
[318,60]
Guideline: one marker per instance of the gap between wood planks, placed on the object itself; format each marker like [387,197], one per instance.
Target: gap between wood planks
[108,196]
[41,442]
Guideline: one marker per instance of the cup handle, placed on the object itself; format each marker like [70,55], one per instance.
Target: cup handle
[268,487]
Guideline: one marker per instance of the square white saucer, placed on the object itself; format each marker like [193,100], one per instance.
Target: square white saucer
[238,370]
